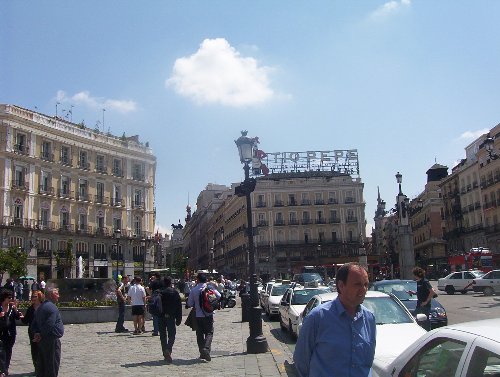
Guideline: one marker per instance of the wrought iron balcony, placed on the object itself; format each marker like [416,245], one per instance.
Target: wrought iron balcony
[101,169]
[21,149]
[101,199]
[84,165]
[18,184]
[46,156]
[45,190]
[66,194]
[260,204]
[118,172]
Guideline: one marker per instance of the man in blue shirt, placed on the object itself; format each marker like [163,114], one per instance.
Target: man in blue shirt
[338,337]
[204,320]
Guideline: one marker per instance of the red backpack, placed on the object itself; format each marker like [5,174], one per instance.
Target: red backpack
[208,300]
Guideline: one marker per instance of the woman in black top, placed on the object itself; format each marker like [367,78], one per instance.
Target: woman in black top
[37,297]
[8,316]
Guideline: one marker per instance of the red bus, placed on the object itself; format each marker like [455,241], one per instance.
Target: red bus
[478,258]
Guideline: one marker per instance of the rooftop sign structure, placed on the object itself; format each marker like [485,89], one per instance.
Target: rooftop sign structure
[341,161]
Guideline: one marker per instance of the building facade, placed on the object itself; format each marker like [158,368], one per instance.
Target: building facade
[69,192]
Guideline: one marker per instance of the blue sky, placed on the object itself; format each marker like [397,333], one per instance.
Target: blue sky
[405,82]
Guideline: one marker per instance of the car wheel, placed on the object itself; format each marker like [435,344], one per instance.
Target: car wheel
[282,325]
[463,292]
[450,290]
[488,291]
[290,329]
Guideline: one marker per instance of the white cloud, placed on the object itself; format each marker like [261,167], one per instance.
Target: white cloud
[84,98]
[389,8]
[217,73]
[472,135]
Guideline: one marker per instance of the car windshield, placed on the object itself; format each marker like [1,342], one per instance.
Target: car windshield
[302,296]
[279,290]
[311,276]
[400,289]
[386,310]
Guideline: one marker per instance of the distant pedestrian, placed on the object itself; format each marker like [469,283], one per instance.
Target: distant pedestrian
[204,321]
[8,316]
[48,328]
[42,284]
[35,286]
[137,297]
[18,286]
[425,293]
[37,297]
[170,318]
[121,298]
[155,284]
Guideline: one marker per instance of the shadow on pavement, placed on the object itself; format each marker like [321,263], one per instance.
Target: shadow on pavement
[282,337]
[290,369]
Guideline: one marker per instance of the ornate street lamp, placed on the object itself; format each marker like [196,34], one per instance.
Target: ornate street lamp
[489,144]
[256,342]
[118,234]
[405,235]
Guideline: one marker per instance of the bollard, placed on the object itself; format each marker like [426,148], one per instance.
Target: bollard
[245,307]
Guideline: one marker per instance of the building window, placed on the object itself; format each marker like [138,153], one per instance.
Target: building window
[81,247]
[117,224]
[83,160]
[99,251]
[46,153]
[117,199]
[138,171]
[44,217]
[82,222]
[45,186]
[65,155]
[19,176]
[138,226]
[18,211]
[117,167]
[99,164]
[20,145]
[318,198]
[138,203]
[99,192]
[332,197]
[65,221]
[291,200]
[334,236]
[83,190]
[65,186]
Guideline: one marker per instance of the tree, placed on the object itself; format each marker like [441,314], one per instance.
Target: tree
[14,261]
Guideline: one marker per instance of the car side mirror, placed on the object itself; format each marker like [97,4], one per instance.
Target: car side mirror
[421,317]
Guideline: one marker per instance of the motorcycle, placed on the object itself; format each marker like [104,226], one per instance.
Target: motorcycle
[228,299]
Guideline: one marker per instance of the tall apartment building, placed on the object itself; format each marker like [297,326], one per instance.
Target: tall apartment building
[65,191]
[300,218]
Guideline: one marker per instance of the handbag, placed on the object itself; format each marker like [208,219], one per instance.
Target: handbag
[191,320]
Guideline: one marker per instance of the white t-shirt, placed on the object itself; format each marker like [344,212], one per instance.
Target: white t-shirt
[136,294]
[42,284]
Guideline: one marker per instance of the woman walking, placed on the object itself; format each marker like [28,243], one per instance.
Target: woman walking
[8,316]
[37,297]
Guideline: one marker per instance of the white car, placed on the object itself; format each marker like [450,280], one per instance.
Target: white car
[460,281]
[396,327]
[293,304]
[470,349]
[264,294]
[273,301]
[488,284]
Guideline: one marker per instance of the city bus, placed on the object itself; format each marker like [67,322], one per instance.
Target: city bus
[478,258]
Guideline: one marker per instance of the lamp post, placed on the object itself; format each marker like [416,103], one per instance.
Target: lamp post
[118,234]
[256,342]
[143,249]
[489,144]
[405,237]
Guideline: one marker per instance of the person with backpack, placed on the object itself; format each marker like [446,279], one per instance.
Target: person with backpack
[204,299]
[169,317]
[155,285]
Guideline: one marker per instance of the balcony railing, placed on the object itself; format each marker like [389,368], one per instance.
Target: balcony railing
[43,225]
[43,253]
[334,220]
[351,219]
[46,156]
[319,202]
[279,222]
[101,169]
[292,203]
[66,161]
[320,221]
[305,202]
[137,205]
[307,221]
[45,190]
[15,221]
[260,204]
[83,197]
[101,231]
[20,185]
[349,200]
[21,149]
[138,177]
[333,201]
[261,223]
[66,227]
[117,172]
[101,199]
[84,229]
[66,194]
[84,165]
[293,222]
[278,203]
[117,202]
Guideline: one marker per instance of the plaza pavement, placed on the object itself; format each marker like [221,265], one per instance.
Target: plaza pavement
[96,350]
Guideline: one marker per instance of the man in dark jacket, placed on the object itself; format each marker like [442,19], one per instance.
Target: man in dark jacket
[48,329]
[171,317]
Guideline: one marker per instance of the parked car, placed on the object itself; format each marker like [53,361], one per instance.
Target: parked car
[273,301]
[470,349]
[396,327]
[293,303]
[308,278]
[264,293]
[332,284]
[402,290]
[460,281]
[488,283]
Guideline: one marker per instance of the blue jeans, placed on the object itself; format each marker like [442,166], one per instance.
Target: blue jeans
[167,328]
[156,322]
[121,316]
[424,310]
